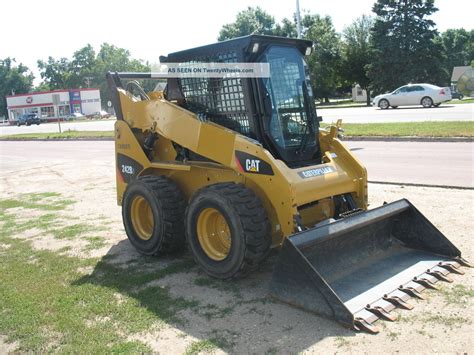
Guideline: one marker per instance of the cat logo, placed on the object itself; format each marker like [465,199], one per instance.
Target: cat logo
[252,165]
[248,163]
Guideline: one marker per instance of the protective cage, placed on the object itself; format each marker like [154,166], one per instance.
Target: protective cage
[235,103]
[357,269]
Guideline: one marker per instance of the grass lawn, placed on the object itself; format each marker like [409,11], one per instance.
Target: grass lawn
[340,104]
[49,305]
[463,101]
[396,129]
[63,135]
[349,103]
[416,129]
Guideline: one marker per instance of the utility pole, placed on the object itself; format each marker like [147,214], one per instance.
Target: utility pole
[298,19]
[88,79]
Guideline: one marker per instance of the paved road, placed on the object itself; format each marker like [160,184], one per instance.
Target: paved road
[449,164]
[103,125]
[461,112]
[431,163]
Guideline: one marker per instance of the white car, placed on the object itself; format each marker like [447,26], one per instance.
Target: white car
[426,95]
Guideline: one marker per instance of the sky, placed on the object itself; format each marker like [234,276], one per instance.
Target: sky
[36,29]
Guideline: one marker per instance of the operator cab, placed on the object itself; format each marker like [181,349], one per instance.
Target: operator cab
[278,111]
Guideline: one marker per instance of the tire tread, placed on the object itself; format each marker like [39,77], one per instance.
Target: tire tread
[254,220]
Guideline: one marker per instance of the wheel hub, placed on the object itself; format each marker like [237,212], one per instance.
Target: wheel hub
[142,217]
[214,234]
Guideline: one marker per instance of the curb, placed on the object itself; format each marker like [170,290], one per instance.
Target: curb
[421,185]
[346,138]
[407,139]
[56,139]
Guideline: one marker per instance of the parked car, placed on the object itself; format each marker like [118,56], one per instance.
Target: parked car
[28,119]
[74,116]
[426,95]
[457,95]
[99,114]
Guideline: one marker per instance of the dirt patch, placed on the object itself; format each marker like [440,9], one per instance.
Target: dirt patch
[6,348]
[237,315]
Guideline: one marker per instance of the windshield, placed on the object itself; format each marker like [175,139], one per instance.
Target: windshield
[289,90]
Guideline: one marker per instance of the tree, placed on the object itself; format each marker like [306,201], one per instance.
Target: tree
[403,44]
[458,45]
[112,58]
[88,69]
[357,54]
[250,21]
[55,73]
[324,63]
[14,79]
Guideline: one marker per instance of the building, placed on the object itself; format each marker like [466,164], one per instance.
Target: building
[359,95]
[457,72]
[85,101]
[462,80]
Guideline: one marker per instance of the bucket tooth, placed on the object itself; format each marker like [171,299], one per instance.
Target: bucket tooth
[451,268]
[381,313]
[362,325]
[425,282]
[397,301]
[412,292]
[439,275]
[463,261]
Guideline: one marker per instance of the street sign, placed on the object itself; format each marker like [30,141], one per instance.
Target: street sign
[56,109]
[56,99]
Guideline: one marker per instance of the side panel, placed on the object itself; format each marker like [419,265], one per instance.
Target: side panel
[129,157]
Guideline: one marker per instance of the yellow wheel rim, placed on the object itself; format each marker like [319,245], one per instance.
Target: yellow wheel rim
[214,234]
[142,217]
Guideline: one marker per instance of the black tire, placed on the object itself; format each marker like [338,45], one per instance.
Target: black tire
[426,102]
[384,104]
[461,97]
[167,206]
[247,224]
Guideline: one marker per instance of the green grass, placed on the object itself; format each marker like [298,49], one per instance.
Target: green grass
[394,129]
[94,243]
[459,294]
[74,230]
[447,321]
[201,346]
[463,101]
[63,135]
[340,104]
[417,129]
[40,201]
[50,306]
[216,340]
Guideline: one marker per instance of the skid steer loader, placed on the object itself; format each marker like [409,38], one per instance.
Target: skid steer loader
[232,167]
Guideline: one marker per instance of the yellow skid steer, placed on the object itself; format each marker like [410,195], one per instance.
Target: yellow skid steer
[234,166]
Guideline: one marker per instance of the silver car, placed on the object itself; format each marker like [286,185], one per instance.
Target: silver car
[426,95]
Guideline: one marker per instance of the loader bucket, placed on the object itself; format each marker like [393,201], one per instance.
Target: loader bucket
[359,268]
